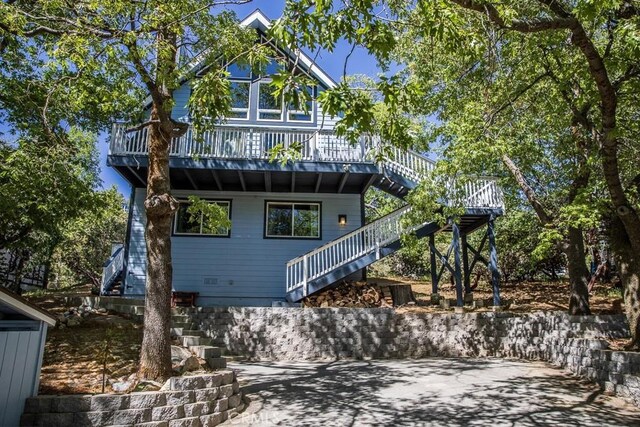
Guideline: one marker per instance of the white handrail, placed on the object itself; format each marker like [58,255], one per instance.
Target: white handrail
[112,267]
[365,240]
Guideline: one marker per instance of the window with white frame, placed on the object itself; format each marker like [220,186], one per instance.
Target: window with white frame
[188,224]
[240,96]
[269,105]
[303,111]
[292,220]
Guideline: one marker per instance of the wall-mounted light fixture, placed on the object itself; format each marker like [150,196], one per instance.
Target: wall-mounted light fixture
[342,219]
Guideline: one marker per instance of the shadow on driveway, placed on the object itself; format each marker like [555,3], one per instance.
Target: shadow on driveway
[429,392]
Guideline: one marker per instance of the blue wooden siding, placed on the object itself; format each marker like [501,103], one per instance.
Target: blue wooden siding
[245,269]
[20,360]
[181,97]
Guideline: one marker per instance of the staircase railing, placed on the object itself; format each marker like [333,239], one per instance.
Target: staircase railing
[112,267]
[341,251]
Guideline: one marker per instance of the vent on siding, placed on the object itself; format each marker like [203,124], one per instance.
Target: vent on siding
[210,280]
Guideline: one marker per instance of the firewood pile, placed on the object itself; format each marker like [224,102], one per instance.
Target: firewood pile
[350,294]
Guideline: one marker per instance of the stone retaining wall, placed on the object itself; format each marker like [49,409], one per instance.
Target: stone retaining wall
[195,401]
[576,343]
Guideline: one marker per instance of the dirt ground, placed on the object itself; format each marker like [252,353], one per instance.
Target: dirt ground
[519,298]
[76,357]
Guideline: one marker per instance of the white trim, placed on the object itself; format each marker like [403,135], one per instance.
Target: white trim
[240,110]
[25,308]
[268,111]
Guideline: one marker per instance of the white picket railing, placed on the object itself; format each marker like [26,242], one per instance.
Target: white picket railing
[112,267]
[243,142]
[351,246]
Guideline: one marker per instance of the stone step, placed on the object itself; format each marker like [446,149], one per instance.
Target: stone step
[184,325]
[180,318]
[205,351]
[217,362]
[191,340]
[231,358]
[184,332]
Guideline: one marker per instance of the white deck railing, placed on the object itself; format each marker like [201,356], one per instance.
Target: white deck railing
[112,267]
[351,246]
[244,142]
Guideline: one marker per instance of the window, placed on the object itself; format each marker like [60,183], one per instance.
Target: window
[300,112]
[240,95]
[293,220]
[195,225]
[269,106]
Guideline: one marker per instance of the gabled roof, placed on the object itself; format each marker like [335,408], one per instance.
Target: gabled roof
[15,303]
[259,20]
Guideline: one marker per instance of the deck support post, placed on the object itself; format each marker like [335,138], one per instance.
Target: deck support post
[457,267]
[434,273]
[466,272]
[493,262]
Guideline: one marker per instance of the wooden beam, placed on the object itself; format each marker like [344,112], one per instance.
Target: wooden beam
[242,183]
[368,184]
[466,274]
[267,182]
[216,178]
[293,182]
[493,263]
[343,181]
[318,182]
[457,268]
[190,178]
[137,175]
[432,256]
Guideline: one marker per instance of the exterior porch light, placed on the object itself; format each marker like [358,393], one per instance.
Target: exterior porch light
[342,219]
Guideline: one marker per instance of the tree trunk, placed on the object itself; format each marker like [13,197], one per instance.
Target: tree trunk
[628,264]
[573,248]
[155,355]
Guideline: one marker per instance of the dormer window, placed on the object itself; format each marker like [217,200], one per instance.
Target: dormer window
[269,105]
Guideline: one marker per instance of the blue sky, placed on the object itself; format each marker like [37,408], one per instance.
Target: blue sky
[332,63]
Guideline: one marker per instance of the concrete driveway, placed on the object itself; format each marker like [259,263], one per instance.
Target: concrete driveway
[425,392]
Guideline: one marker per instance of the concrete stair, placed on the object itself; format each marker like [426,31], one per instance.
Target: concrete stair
[196,341]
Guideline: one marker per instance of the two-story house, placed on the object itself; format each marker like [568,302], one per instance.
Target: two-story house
[295,228]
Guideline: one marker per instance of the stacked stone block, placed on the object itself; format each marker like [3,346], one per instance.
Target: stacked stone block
[195,401]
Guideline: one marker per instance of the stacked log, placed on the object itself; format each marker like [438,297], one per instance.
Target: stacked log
[349,294]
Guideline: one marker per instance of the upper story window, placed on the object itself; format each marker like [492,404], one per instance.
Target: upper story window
[300,112]
[187,224]
[240,99]
[269,105]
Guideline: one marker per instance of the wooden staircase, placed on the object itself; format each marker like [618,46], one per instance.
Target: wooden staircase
[354,251]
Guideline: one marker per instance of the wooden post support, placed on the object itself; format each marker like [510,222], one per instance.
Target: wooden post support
[457,267]
[493,263]
[466,274]
[434,273]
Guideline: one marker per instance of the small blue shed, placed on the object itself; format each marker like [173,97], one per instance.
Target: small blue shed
[23,330]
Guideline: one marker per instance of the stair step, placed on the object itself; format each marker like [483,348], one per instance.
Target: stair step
[236,358]
[205,351]
[183,332]
[191,340]
[217,362]
[183,325]
[180,318]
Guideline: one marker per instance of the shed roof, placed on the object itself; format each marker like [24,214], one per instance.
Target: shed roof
[14,303]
